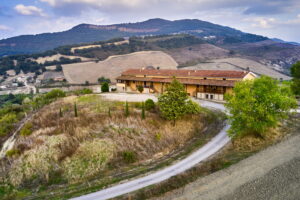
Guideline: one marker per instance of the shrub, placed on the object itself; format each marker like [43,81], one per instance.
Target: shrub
[83,91]
[27,129]
[149,104]
[158,136]
[89,159]
[192,107]
[140,88]
[105,87]
[37,163]
[129,156]
[54,94]
[12,152]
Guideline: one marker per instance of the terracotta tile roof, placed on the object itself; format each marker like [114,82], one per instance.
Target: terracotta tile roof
[186,73]
[228,83]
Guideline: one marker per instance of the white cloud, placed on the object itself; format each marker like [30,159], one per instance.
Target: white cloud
[262,22]
[29,10]
[4,28]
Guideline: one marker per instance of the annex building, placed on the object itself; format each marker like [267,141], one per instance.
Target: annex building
[203,84]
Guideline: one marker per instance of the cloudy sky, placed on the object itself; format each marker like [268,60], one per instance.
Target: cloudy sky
[272,18]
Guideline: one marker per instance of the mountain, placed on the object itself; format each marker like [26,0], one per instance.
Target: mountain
[282,41]
[87,33]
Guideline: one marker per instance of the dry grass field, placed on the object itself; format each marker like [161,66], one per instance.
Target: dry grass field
[115,65]
[197,53]
[239,64]
[74,149]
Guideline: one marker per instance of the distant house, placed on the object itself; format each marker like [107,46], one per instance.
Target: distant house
[203,84]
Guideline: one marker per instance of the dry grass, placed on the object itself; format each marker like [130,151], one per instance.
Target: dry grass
[114,65]
[81,147]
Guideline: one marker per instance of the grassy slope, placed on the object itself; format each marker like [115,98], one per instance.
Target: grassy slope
[66,140]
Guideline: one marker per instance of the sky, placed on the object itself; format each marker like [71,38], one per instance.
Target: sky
[271,18]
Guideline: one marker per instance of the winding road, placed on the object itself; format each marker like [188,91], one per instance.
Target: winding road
[217,143]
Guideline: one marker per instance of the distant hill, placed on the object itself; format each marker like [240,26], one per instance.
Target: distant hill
[87,33]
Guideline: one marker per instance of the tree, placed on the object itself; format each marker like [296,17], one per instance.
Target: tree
[60,113]
[140,88]
[105,87]
[174,103]
[257,105]
[75,110]
[143,110]
[102,79]
[126,109]
[109,112]
[58,68]
[149,104]
[295,72]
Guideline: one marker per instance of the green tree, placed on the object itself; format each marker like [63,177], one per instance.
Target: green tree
[109,112]
[143,110]
[140,88]
[102,79]
[105,87]
[174,103]
[149,104]
[75,110]
[58,68]
[126,109]
[295,72]
[257,105]
[60,113]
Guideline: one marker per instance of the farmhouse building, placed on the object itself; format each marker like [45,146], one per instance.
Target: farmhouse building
[203,84]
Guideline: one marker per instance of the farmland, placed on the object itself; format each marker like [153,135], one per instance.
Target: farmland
[114,65]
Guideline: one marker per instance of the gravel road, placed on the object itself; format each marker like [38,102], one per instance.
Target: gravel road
[272,174]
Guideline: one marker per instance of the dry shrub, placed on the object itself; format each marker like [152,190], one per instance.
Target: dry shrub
[251,142]
[89,159]
[39,162]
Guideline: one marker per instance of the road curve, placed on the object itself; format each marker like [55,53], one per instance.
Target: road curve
[217,143]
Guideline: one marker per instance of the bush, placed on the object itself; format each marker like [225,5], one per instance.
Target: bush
[140,88]
[12,152]
[26,130]
[129,156]
[192,107]
[149,104]
[83,91]
[105,87]
[54,94]
[89,159]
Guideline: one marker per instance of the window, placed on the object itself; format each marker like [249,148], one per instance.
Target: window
[211,96]
[205,78]
[224,79]
[207,96]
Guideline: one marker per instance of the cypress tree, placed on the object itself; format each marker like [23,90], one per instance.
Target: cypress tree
[126,109]
[143,110]
[60,112]
[109,114]
[75,110]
